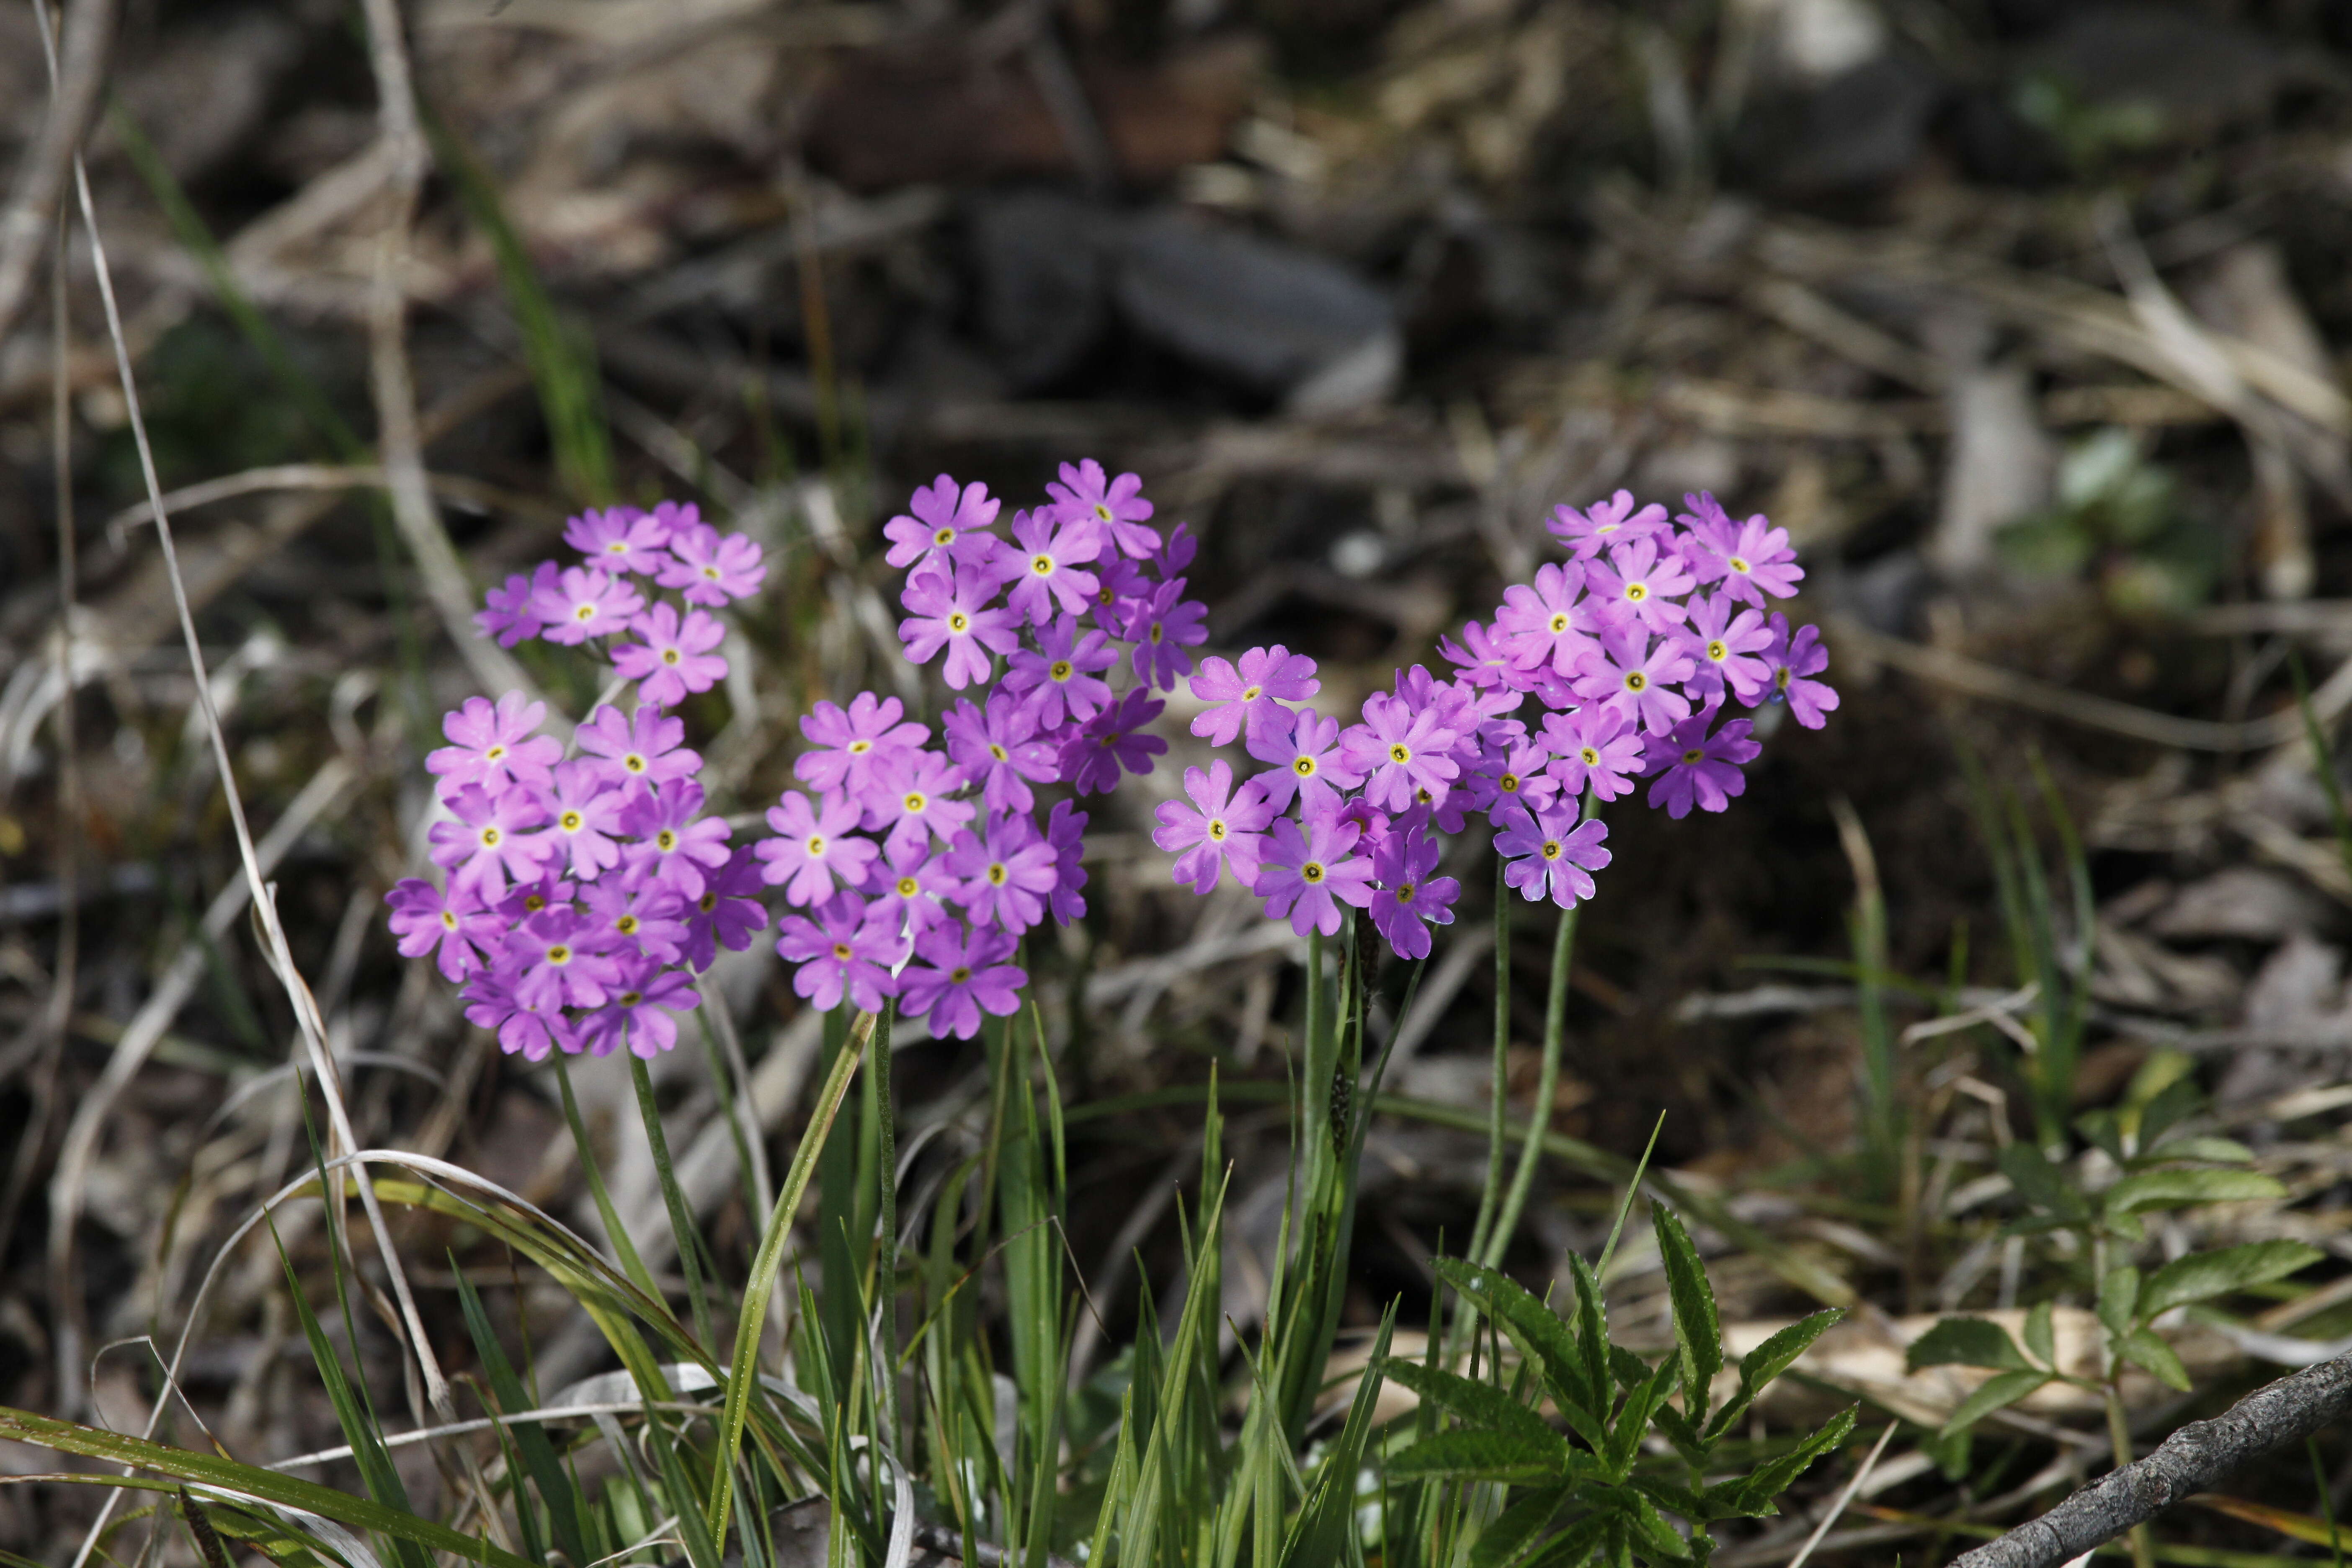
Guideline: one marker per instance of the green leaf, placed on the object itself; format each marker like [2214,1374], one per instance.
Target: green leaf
[2041,1334]
[2152,1190]
[2119,1299]
[1698,1332]
[1643,1400]
[1667,1495]
[1591,1336]
[1752,1496]
[1478,1404]
[1574,1546]
[1680,1431]
[2039,1183]
[1481,1456]
[1768,1361]
[1502,1543]
[1327,1519]
[2201,1276]
[1998,1391]
[1966,1342]
[2218,1151]
[2146,1348]
[1533,1327]
[530,1439]
[1650,1528]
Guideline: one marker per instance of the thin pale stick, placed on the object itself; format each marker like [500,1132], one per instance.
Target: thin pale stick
[1854,1487]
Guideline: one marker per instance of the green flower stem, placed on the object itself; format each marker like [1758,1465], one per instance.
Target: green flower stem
[1498,1107]
[681,1216]
[1547,1085]
[615,1232]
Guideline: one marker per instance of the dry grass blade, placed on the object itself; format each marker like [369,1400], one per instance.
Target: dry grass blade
[74,90]
[320,476]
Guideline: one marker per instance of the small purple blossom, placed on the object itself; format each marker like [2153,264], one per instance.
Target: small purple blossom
[674,845]
[1593,748]
[813,846]
[1606,522]
[512,614]
[674,656]
[1308,760]
[1400,753]
[1750,559]
[1162,626]
[915,801]
[1630,675]
[1252,697]
[1410,899]
[1640,582]
[708,570]
[1222,826]
[953,612]
[638,1011]
[1064,675]
[1552,855]
[912,886]
[1307,874]
[495,746]
[1793,662]
[857,746]
[552,966]
[998,746]
[1116,505]
[583,810]
[1723,648]
[620,538]
[842,949]
[426,920]
[1546,622]
[585,603]
[1091,759]
[639,753]
[1007,872]
[728,912]
[946,527]
[959,977]
[1043,565]
[491,839]
[1697,768]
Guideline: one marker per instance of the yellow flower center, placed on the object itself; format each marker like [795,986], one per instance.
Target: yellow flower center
[1304,767]
[958,622]
[666,840]
[494,753]
[1558,623]
[1250,693]
[859,748]
[1059,669]
[996,875]
[585,613]
[1041,565]
[814,845]
[559,953]
[711,574]
[1312,871]
[1637,592]
[1551,849]
[996,751]
[1217,829]
[1155,634]
[959,973]
[916,801]
[635,762]
[490,837]
[631,998]
[1400,753]
[1739,563]
[1781,677]
[570,821]
[1717,650]
[448,920]
[944,537]
[1691,757]
[1637,682]
[1508,783]
[841,952]
[1103,512]
[708,902]
[908,887]
[670,656]
[1591,756]
[626,925]
[532,903]
[1404,891]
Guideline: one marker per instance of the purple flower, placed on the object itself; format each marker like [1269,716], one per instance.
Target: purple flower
[1610,521]
[953,612]
[728,912]
[1551,853]
[584,603]
[1640,583]
[1177,554]
[1161,627]
[584,811]
[1116,505]
[1485,661]
[1043,565]
[912,886]
[513,615]
[1792,662]
[491,839]
[676,657]
[1545,624]
[672,847]
[1091,759]
[913,802]
[1307,758]
[1065,829]
[1308,875]
[811,847]
[1063,674]
[1410,901]
[1121,588]
[1750,559]
[640,752]
[647,916]
[621,538]
[638,1011]
[946,526]
[1512,777]
[1400,753]
[959,977]
[528,1031]
[857,747]
[423,918]
[708,570]
[843,949]
[1723,648]
[997,746]
[495,747]
[1593,747]
[1626,674]
[1007,873]
[1252,696]
[1696,767]
[550,966]
[1221,826]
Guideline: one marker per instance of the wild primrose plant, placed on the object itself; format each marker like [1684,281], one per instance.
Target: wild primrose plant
[584,884]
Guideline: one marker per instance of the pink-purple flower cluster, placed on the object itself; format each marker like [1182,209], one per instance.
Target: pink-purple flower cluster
[580,892]
[921,865]
[1629,649]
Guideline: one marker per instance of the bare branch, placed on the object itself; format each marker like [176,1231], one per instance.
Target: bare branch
[2193,1459]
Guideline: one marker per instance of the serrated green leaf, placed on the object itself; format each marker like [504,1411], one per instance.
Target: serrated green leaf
[1698,1331]
[1650,1528]
[1753,1494]
[1998,1391]
[1483,1455]
[2154,1190]
[2146,1348]
[1760,1366]
[2039,1183]
[2041,1334]
[2119,1299]
[1667,1495]
[1504,1542]
[1966,1342]
[1680,1431]
[1574,1546]
[2201,1276]
[1481,1405]
[1533,1327]
[1643,1400]
[1591,1334]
